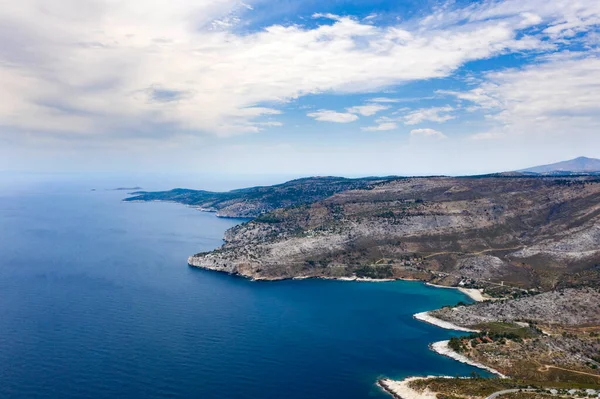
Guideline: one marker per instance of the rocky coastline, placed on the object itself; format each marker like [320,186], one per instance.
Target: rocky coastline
[401,389]
[196,262]
[442,348]
[427,318]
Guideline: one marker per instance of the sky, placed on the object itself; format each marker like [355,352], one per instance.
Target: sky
[295,88]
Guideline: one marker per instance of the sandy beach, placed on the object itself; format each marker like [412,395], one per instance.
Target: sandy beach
[427,318]
[442,348]
[472,293]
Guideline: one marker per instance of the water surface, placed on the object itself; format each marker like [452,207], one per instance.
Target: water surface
[96,301]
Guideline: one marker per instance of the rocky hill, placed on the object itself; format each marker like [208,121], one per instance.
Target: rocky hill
[569,307]
[521,231]
[254,201]
[550,337]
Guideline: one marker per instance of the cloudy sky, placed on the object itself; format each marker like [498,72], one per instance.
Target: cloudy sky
[346,87]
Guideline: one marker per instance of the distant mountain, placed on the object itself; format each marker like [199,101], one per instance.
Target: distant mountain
[574,166]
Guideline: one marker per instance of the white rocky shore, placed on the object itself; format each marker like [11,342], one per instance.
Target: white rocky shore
[444,349]
[402,390]
[360,279]
[427,318]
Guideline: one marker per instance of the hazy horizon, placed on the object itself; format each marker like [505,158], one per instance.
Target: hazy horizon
[161,181]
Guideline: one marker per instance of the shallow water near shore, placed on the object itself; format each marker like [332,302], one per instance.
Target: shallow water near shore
[96,301]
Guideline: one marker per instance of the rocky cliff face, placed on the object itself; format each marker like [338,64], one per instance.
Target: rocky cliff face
[523,231]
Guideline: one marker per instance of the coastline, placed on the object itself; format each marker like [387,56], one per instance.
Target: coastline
[190,263]
[356,279]
[472,293]
[402,390]
[442,348]
[427,318]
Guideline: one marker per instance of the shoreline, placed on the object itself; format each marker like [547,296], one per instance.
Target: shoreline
[267,279]
[427,318]
[298,278]
[442,348]
[472,293]
[401,389]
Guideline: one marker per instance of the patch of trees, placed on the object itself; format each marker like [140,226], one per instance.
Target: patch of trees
[268,218]
[456,344]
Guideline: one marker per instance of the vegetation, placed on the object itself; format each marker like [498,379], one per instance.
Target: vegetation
[498,330]
[255,201]
[482,387]
[461,387]
[375,272]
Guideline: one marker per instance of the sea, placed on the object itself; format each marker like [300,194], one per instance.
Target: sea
[97,301]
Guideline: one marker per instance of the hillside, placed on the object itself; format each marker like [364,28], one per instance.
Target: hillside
[573,166]
[547,337]
[569,307]
[524,232]
[254,201]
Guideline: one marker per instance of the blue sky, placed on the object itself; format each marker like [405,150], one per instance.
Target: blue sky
[278,87]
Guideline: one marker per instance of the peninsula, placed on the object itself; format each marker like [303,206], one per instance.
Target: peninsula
[528,243]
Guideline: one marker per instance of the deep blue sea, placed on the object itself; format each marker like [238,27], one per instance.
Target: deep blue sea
[97,301]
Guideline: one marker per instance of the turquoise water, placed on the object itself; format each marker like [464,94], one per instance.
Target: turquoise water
[96,301]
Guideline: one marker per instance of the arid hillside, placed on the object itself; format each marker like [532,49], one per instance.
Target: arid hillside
[551,337]
[254,201]
[528,232]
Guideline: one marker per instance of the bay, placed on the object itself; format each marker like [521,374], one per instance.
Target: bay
[96,301]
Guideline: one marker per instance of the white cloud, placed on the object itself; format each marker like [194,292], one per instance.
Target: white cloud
[428,133]
[384,100]
[331,16]
[564,17]
[367,110]
[380,127]
[332,116]
[556,97]
[92,68]
[434,114]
